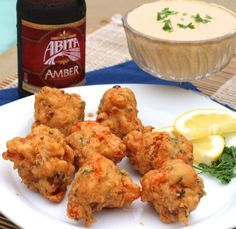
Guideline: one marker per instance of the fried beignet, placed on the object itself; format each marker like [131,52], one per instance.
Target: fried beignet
[99,184]
[174,190]
[90,136]
[43,161]
[148,150]
[118,111]
[57,109]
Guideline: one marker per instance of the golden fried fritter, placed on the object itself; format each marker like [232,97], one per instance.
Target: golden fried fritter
[148,150]
[174,190]
[43,161]
[118,111]
[90,136]
[57,109]
[99,184]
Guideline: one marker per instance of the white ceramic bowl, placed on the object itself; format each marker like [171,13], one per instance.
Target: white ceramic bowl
[179,60]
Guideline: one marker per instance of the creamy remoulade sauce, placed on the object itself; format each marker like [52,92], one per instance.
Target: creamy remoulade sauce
[222,21]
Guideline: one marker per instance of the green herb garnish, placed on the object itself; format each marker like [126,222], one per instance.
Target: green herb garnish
[209,17]
[188,26]
[166,12]
[167,26]
[184,14]
[223,168]
[199,19]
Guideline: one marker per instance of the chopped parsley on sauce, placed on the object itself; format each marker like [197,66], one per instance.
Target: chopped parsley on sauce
[167,26]
[198,19]
[164,14]
[188,26]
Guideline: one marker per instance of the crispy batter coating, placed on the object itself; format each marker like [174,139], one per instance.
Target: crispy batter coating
[174,190]
[148,150]
[43,161]
[57,109]
[89,137]
[118,111]
[99,184]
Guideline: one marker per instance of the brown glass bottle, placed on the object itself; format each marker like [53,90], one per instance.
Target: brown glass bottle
[51,44]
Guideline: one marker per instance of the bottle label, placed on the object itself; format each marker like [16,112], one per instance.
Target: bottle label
[53,55]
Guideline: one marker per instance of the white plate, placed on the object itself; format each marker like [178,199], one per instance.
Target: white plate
[158,106]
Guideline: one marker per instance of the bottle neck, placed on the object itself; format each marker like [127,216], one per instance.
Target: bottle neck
[51,12]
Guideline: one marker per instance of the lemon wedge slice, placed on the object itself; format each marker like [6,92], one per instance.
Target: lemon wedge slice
[230,139]
[197,124]
[208,149]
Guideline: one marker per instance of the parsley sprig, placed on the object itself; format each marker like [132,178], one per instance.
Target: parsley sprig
[167,26]
[197,18]
[188,26]
[223,168]
[166,12]
[163,16]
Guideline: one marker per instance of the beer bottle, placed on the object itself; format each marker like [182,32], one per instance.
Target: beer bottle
[51,44]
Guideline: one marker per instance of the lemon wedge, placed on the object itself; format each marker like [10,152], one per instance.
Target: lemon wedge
[197,124]
[208,149]
[230,139]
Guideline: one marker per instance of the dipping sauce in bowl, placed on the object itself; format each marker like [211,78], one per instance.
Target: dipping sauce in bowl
[181,40]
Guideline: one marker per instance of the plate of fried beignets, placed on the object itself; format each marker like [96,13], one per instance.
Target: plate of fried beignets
[89,157]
